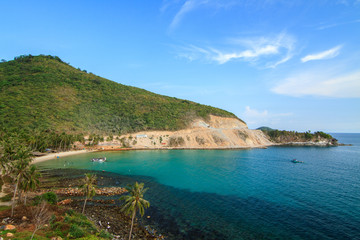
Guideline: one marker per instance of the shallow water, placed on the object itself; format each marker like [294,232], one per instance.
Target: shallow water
[243,194]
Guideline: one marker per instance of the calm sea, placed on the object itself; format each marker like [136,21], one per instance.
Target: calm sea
[242,194]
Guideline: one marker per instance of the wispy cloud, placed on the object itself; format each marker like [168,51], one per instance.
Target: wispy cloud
[332,25]
[267,52]
[259,118]
[191,5]
[317,83]
[185,8]
[331,53]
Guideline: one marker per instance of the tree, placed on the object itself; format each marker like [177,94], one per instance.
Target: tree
[30,181]
[134,202]
[41,216]
[15,158]
[88,187]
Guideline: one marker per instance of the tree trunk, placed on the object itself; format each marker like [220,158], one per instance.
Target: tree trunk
[25,195]
[20,195]
[32,236]
[13,203]
[84,206]
[132,223]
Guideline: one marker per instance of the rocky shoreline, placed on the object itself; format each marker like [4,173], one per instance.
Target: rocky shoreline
[103,209]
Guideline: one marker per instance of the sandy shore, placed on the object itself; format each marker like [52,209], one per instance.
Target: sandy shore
[60,154]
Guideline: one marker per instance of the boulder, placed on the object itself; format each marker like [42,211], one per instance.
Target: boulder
[9,234]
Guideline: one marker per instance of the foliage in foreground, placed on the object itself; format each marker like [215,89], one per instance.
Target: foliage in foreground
[134,202]
[49,197]
[68,225]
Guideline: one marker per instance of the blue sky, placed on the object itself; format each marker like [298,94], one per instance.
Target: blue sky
[291,65]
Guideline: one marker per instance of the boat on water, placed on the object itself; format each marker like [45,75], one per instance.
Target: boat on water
[296,161]
[102,159]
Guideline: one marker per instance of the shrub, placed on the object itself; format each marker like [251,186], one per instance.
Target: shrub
[176,141]
[105,234]
[49,197]
[200,140]
[6,198]
[75,231]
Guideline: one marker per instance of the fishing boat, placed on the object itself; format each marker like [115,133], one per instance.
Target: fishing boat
[102,159]
[296,161]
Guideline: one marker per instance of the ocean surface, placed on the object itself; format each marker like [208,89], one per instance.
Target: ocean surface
[242,194]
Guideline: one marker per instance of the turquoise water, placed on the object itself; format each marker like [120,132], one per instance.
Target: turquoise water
[243,194]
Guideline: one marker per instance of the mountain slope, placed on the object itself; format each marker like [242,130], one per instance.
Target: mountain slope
[43,92]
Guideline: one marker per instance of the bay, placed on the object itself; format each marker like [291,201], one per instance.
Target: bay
[242,194]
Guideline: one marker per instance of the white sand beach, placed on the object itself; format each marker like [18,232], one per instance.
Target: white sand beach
[60,154]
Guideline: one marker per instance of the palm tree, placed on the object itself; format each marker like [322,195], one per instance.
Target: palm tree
[19,171]
[88,187]
[134,202]
[15,158]
[30,181]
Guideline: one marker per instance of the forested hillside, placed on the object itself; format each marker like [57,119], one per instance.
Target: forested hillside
[44,93]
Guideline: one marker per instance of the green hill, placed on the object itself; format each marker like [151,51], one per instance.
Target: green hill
[45,93]
[265,128]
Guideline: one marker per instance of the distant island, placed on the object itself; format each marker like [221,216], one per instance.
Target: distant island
[284,137]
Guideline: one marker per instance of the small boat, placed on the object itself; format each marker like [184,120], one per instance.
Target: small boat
[296,161]
[102,159]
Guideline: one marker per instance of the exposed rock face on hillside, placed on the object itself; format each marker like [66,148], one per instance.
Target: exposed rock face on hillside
[217,132]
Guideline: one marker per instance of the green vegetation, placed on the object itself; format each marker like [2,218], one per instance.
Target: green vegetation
[265,129]
[31,181]
[44,94]
[88,187]
[49,197]
[134,202]
[176,141]
[54,221]
[72,225]
[3,208]
[282,136]
[41,140]
[6,198]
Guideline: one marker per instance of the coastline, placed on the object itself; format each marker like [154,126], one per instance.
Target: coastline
[118,148]
[59,154]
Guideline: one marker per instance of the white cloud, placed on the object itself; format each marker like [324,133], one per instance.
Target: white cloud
[331,53]
[253,113]
[317,83]
[258,118]
[246,54]
[267,52]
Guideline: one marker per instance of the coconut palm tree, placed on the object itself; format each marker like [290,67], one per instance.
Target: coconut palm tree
[30,181]
[134,202]
[88,187]
[19,170]
[15,158]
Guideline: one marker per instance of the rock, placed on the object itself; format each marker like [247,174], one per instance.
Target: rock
[24,218]
[23,225]
[5,220]
[9,234]
[9,227]
[56,238]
